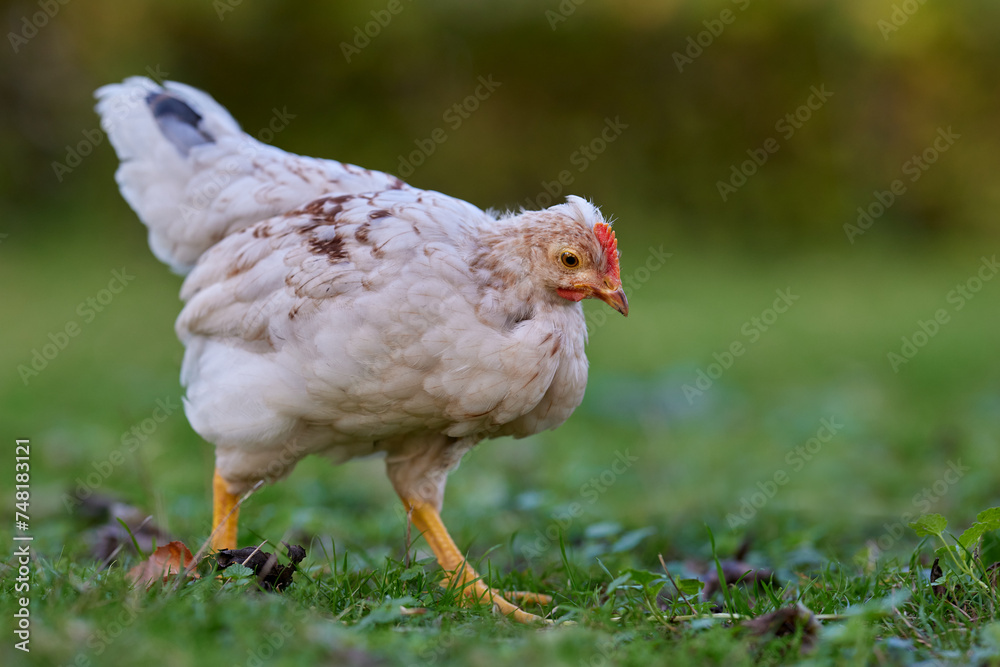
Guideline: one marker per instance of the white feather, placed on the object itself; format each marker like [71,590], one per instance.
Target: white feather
[336,310]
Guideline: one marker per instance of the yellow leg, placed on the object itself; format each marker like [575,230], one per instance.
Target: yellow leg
[428,522]
[529,597]
[225,515]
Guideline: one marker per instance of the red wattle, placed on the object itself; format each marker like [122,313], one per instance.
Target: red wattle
[571,294]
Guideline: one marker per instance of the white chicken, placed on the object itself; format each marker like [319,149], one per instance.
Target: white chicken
[339,311]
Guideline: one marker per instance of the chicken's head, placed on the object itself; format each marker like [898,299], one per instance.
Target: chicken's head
[584,263]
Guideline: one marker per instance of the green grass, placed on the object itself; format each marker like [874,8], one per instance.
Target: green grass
[834,530]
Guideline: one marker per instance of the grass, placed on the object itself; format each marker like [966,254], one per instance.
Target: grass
[552,513]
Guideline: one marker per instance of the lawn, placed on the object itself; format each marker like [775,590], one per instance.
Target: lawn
[752,399]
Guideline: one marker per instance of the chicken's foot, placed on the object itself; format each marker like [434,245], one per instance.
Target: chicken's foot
[460,573]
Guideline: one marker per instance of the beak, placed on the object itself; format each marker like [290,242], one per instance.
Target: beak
[614,297]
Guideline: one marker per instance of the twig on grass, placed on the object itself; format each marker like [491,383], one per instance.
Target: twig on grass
[676,587]
[207,543]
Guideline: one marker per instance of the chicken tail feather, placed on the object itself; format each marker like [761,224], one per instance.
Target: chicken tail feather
[194,177]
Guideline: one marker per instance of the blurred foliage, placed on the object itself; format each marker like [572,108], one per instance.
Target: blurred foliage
[563,68]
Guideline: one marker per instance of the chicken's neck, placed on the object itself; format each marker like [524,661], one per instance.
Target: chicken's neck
[505,262]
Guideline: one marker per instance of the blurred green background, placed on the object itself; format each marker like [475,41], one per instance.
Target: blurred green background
[695,90]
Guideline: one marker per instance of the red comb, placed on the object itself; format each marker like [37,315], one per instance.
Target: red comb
[606,237]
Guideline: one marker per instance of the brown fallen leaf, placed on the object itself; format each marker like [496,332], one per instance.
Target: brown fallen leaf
[271,575]
[787,621]
[937,573]
[168,560]
[736,571]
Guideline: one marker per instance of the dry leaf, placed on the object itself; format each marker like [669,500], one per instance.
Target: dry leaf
[271,575]
[170,559]
[788,621]
[937,573]
[737,571]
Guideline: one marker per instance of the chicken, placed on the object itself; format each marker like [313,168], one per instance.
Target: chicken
[339,311]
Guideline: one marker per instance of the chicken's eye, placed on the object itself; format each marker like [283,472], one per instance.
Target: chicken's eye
[569,259]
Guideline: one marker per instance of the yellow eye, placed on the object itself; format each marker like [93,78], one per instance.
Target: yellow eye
[569,259]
